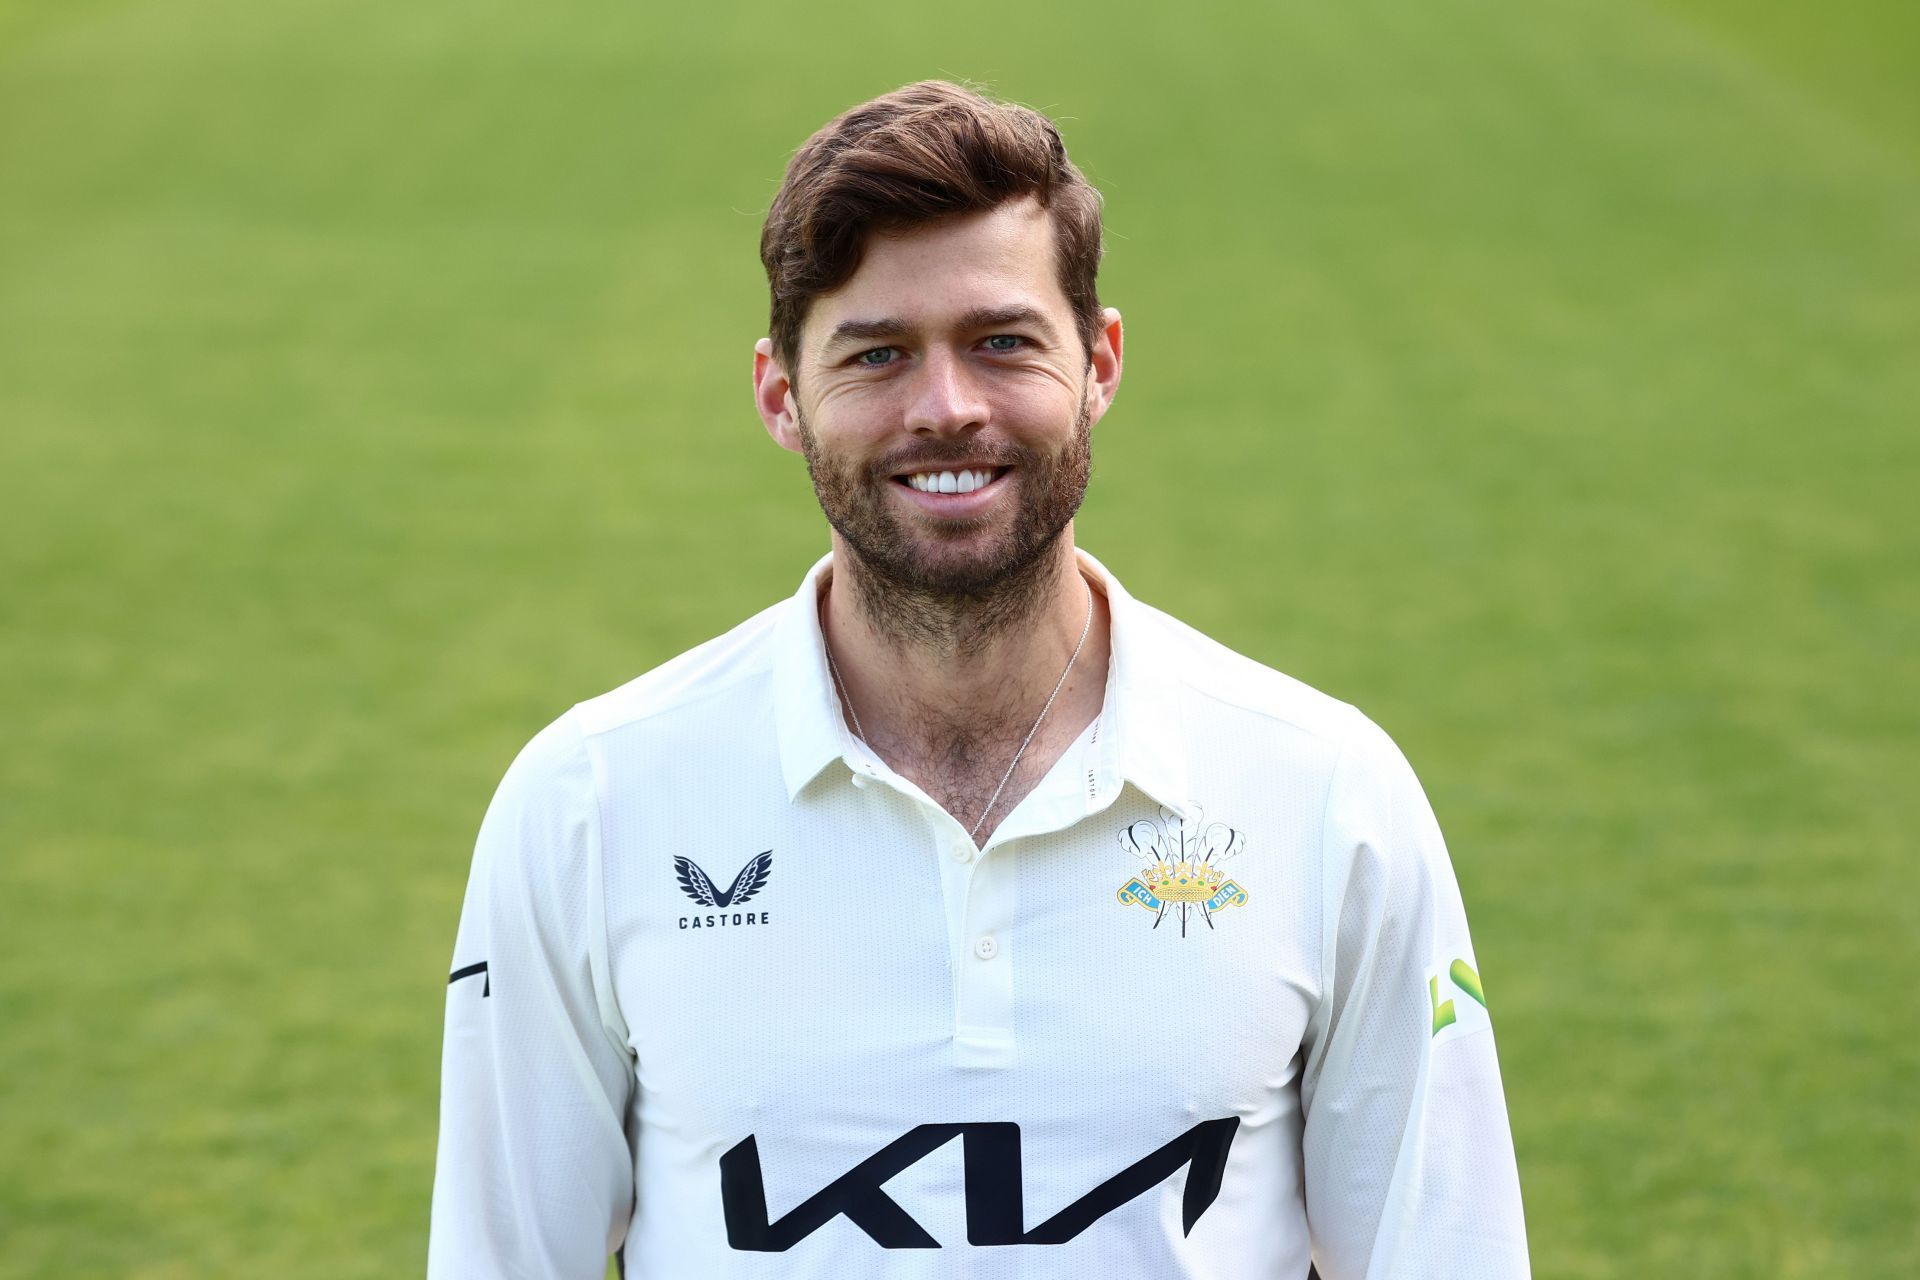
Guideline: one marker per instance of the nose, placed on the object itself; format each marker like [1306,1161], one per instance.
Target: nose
[946,398]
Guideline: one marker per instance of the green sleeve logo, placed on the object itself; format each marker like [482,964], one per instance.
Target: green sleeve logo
[1464,979]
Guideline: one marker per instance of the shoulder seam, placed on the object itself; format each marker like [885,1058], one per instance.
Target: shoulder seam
[642,715]
[1326,879]
[1347,712]
[591,727]
[599,944]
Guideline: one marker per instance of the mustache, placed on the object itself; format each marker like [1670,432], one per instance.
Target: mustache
[937,456]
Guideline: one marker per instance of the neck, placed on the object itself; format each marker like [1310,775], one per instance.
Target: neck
[939,678]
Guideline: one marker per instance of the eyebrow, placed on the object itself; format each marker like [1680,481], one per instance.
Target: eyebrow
[1013,314]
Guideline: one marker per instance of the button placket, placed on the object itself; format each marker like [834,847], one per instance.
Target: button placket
[983,978]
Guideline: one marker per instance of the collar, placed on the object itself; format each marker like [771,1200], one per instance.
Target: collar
[807,721]
[1138,740]
[1141,737]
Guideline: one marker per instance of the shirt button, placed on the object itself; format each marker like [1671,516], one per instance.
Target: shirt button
[986,948]
[963,852]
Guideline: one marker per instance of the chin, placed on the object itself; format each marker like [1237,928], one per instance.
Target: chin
[981,567]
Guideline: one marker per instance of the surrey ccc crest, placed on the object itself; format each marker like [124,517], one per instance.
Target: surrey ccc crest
[1182,873]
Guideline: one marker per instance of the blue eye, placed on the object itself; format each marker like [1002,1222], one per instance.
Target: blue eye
[1003,342]
[877,358]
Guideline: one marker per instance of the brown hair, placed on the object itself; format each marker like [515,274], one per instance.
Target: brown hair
[930,150]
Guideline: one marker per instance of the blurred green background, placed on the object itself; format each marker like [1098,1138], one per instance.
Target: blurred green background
[1540,377]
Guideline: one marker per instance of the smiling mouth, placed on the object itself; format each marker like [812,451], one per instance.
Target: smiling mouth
[962,480]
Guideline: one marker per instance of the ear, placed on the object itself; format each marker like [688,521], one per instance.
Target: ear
[773,397]
[1104,361]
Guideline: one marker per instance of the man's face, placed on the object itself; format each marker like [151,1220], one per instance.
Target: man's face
[950,361]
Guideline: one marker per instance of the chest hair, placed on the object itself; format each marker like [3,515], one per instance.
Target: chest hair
[960,764]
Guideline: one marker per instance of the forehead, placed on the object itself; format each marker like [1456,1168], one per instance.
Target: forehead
[946,268]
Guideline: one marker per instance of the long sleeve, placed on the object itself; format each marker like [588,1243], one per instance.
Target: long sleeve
[1410,1172]
[534,1178]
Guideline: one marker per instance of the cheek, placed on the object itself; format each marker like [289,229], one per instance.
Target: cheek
[1041,404]
[857,411]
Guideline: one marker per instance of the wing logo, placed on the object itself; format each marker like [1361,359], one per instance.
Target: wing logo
[696,884]
[1182,875]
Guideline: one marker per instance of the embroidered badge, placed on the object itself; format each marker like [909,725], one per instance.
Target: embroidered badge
[1182,874]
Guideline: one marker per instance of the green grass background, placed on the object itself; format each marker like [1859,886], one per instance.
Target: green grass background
[1540,377]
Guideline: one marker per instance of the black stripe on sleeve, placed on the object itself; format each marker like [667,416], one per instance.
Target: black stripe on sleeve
[486,988]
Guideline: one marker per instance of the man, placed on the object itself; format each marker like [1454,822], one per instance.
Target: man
[961,915]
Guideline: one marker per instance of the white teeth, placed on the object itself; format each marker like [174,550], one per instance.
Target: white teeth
[949,481]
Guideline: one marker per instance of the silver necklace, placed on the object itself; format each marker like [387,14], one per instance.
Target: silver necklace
[1012,764]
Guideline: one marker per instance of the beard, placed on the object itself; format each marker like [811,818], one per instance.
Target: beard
[951,581]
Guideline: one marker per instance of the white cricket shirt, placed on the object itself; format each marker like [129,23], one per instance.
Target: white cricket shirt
[732,996]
